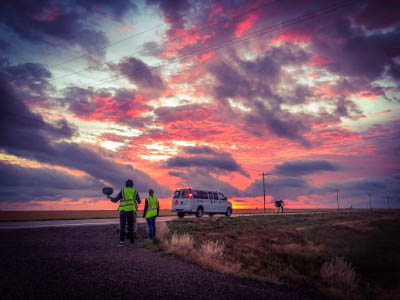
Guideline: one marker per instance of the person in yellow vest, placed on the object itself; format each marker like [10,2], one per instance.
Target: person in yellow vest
[151,211]
[127,211]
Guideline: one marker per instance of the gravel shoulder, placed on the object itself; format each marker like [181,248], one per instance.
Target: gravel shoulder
[84,262]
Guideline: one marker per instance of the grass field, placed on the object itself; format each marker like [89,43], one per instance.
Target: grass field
[342,255]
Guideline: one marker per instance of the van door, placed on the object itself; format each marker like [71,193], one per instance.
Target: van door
[223,204]
[213,202]
[218,202]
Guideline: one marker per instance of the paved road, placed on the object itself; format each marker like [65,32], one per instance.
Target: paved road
[80,222]
[83,262]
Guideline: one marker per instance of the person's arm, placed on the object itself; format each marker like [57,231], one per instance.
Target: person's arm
[138,198]
[145,208]
[116,199]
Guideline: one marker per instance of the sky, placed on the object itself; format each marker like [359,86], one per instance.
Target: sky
[202,94]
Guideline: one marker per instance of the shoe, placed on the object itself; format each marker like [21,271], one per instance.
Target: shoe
[121,244]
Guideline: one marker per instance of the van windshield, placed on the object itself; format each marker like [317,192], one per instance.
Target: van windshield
[177,194]
[185,193]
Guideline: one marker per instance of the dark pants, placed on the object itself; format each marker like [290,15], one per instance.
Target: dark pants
[151,223]
[126,217]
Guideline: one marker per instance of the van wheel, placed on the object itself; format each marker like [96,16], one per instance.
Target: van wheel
[181,215]
[199,212]
[228,212]
[211,215]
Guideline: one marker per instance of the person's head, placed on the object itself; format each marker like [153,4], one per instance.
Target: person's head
[151,192]
[129,183]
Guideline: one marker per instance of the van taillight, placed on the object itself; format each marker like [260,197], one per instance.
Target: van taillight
[176,202]
[190,196]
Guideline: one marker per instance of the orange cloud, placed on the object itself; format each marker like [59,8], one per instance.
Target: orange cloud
[205,57]
[245,25]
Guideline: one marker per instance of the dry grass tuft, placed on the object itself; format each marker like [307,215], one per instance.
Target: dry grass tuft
[181,244]
[162,232]
[338,273]
[212,250]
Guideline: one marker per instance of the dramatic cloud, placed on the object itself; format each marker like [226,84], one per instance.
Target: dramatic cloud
[146,80]
[27,135]
[208,160]
[300,168]
[278,188]
[59,22]
[23,184]
[119,106]
[314,103]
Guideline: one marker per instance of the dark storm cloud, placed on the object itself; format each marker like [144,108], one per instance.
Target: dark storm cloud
[306,167]
[4,46]
[205,159]
[379,14]
[173,10]
[278,188]
[21,184]
[65,22]
[21,128]
[27,135]
[140,74]
[357,192]
[199,150]
[193,112]
[252,84]
[29,78]
[211,163]
[350,50]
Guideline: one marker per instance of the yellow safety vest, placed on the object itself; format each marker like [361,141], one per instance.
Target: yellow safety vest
[127,203]
[151,207]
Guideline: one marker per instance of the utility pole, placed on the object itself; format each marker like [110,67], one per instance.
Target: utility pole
[263,175]
[337,198]
[370,203]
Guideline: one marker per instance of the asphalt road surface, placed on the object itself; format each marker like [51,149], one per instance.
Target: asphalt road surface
[77,262]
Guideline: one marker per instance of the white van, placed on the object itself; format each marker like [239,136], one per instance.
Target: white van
[189,201]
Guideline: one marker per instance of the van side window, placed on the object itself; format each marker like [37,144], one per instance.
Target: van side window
[215,196]
[210,195]
[202,195]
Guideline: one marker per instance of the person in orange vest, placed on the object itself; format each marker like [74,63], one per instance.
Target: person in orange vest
[151,211]
[127,211]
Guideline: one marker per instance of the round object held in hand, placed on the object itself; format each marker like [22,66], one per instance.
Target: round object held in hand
[107,191]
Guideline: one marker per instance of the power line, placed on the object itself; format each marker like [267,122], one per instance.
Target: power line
[170,41]
[269,29]
[124,39]
[337,197]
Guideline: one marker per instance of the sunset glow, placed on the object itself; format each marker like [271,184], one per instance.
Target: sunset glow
[207,95]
